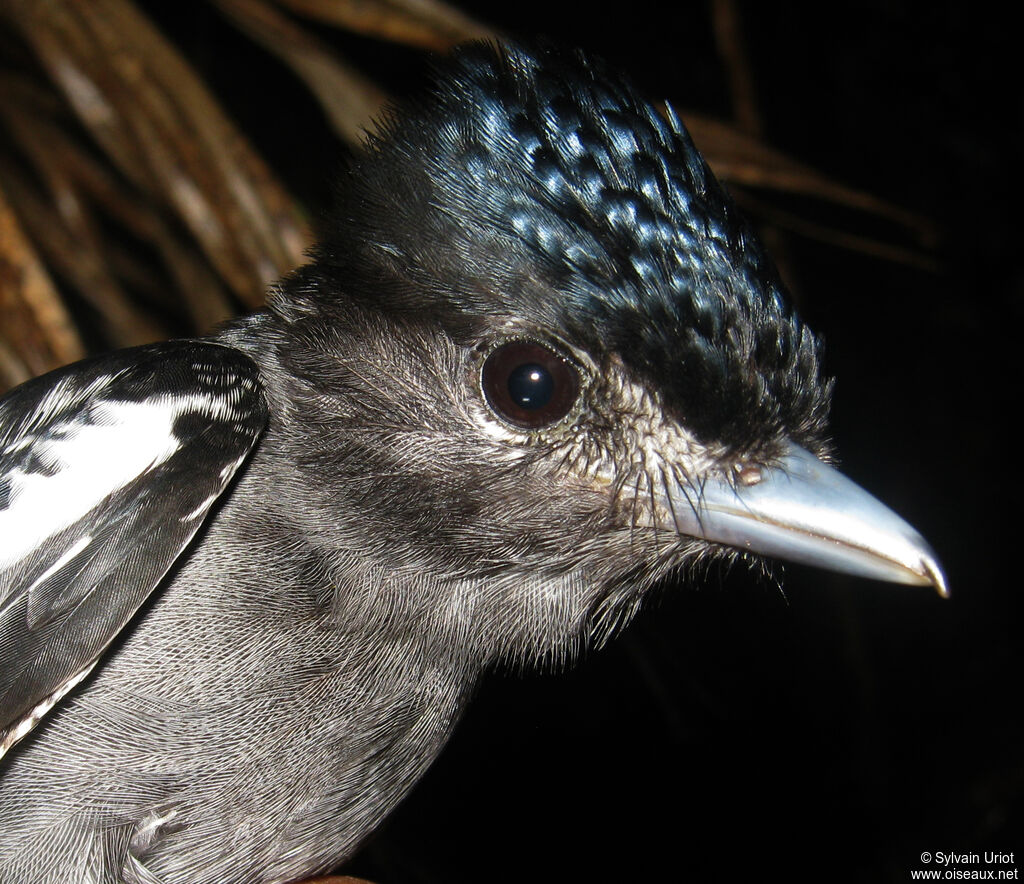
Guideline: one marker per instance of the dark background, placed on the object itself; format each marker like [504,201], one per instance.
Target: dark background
[838,730]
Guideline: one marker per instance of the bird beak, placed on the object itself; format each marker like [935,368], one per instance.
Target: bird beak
[805,511]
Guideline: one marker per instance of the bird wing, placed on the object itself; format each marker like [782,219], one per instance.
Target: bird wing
[108,468]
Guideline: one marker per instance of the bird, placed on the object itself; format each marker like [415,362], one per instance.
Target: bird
[537,363]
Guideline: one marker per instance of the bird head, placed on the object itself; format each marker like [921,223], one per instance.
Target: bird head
[544,358]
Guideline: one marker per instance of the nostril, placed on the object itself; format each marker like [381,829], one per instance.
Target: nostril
[748,474]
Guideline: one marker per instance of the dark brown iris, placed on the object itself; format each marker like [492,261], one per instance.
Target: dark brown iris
[529,385]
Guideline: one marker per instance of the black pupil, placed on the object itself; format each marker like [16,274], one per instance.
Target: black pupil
[530,386]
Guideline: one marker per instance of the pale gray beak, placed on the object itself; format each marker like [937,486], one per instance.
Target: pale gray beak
[805,511]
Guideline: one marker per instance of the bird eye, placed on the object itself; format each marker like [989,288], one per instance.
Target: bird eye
[528,385]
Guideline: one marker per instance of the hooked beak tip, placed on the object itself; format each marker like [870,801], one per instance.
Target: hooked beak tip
[805,511]
[933,574]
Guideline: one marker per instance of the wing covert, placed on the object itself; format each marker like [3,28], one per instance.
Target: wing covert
[108,468]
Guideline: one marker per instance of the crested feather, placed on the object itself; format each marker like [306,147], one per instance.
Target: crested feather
[566,197]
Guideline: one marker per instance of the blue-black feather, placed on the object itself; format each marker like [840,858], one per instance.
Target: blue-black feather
[545,186]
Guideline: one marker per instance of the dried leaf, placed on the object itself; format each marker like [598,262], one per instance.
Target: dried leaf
[167,134]
[841,238]
[725,19]
[38,333]
[124,323]
[741,158]
[349,99]
[78,180]
[426,23]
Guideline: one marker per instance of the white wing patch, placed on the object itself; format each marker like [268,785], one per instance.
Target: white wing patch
[85,462]
[65,557]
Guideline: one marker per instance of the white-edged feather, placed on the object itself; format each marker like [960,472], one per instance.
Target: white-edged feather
[108,468]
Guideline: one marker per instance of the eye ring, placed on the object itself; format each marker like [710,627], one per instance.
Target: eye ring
[528,384]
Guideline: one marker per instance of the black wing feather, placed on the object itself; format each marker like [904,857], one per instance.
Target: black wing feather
[108,468]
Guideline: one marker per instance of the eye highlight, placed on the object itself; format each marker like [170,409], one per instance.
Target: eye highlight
[529,385]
